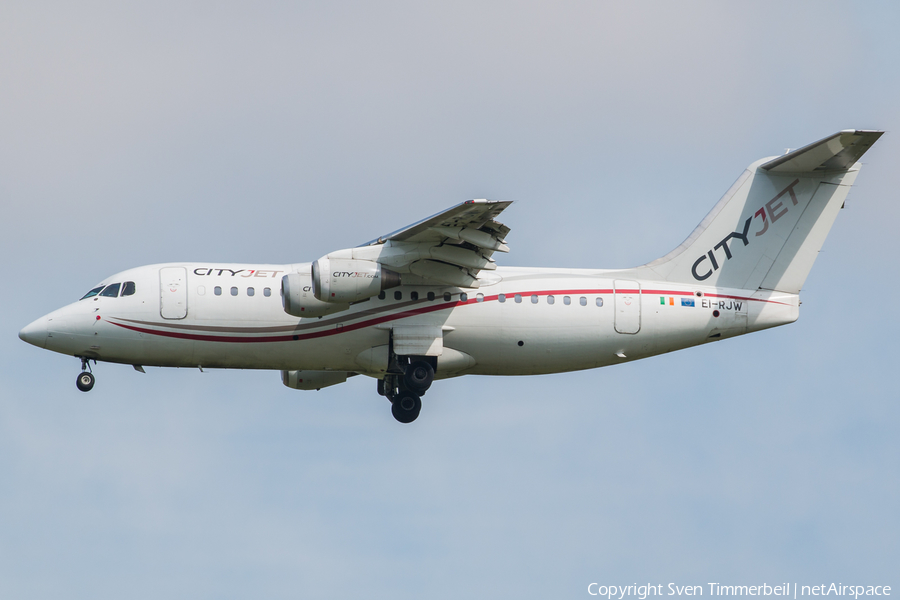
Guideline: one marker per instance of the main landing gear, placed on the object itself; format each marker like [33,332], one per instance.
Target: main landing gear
[405,388]
[86,379]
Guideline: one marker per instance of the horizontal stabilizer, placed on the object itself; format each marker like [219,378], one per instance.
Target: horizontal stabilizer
[837,152]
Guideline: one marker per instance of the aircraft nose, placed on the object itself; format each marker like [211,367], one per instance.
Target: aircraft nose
[35,333]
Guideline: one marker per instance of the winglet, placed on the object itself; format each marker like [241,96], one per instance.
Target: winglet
[837,152]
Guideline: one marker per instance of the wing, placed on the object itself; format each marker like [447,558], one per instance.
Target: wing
[472,214]
[452,247]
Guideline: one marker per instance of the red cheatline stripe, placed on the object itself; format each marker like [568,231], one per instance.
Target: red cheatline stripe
[705,295]
[668,293]
[745,298]
[408,313]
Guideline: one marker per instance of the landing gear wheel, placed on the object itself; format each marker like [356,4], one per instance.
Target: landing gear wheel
[406,407]
[85,382]
[419,376]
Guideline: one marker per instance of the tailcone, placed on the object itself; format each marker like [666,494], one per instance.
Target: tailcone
[771,309]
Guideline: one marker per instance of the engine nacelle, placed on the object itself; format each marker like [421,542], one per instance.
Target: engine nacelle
[346,280]
[313,380]
[299,301]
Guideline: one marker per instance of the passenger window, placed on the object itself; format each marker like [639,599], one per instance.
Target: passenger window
[518,298]
[566,300]
[267,292]
[550,299]
[599,301]
[381,295]
[217,290]
[582,301]
[430,296]
[501,297]
[201,290]
[534,299]
[111,291]
[128,288]
[463,297]
[234,291]
[479,297]
[447,296]
[398,295]
[92,293]
[414,295]
[251,291]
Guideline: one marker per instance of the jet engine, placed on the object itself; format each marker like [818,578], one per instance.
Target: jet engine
[299,301]
[313,380]
[347,280]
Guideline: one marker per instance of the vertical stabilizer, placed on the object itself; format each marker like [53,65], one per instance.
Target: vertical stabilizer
[767,230]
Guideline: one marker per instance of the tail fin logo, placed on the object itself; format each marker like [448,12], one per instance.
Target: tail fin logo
[774,209]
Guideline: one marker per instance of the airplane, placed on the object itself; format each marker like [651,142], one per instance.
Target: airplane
[429,302]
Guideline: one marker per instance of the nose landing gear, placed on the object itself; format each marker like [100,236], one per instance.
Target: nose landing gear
[85,380]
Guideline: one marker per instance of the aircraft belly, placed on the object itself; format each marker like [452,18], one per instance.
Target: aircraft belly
[543,351]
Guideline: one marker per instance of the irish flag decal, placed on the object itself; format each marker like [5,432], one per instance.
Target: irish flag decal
[667,300]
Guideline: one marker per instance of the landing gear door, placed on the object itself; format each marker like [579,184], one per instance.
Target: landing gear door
[173,292]
[628,306]
[418,340]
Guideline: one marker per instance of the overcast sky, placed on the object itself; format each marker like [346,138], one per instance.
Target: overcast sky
[136,133]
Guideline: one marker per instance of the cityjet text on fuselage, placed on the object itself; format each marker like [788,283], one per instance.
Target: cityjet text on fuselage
[226,272]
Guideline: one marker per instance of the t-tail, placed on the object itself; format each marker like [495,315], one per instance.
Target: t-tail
[768,228]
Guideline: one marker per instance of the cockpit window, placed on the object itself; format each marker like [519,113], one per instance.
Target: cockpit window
[128,288]
[92,293]
[111,290]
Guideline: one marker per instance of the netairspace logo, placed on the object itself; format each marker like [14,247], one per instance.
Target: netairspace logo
[642,592]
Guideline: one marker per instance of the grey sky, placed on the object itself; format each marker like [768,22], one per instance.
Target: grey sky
[276,132]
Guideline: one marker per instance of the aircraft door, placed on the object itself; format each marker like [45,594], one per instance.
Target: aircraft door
[627,306]
[173,292]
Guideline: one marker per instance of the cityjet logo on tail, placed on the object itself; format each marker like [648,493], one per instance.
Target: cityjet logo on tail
[774,209]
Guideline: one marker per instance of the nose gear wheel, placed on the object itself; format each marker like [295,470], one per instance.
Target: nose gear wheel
[85,381]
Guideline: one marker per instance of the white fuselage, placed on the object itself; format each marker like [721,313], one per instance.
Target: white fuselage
[521,321]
